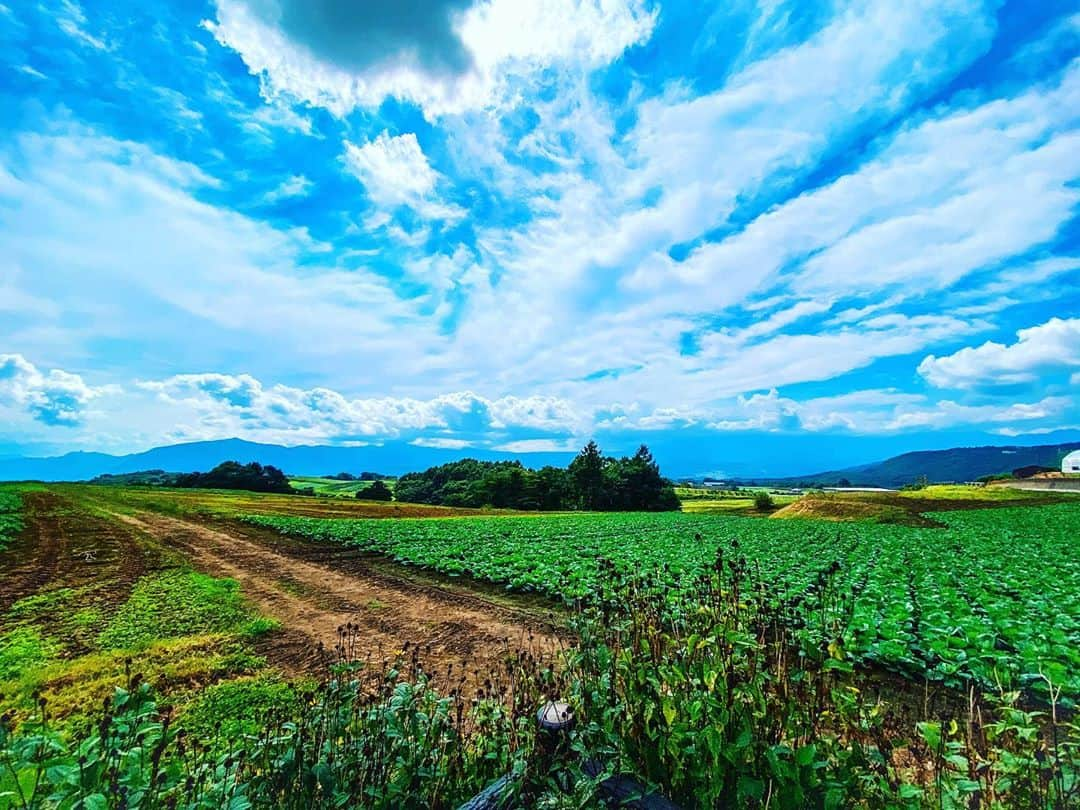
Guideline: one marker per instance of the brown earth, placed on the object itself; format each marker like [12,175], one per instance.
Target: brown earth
[67,547]
[891,507]
[831,507]
[325,596]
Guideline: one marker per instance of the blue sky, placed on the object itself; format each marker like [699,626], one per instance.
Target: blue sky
[849,228]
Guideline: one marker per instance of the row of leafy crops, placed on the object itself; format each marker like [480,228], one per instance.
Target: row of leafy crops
[10,521]
[993,596]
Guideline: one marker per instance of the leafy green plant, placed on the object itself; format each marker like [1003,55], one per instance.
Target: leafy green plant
[10,520]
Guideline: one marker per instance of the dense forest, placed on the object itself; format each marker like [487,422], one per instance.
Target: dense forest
[234,475]
[591,481]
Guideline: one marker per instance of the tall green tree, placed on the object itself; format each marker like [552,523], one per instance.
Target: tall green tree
[587,472]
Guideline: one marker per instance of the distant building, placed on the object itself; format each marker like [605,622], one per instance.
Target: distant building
[1071,462]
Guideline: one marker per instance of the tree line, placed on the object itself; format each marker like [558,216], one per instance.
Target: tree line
[591,481]
[234,475]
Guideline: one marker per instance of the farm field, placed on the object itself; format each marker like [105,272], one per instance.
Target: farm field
[332,486]
[972,598]
[93,578]
[708,500]
[718,655]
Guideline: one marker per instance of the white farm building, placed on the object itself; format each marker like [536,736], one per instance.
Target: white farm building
[1071,462]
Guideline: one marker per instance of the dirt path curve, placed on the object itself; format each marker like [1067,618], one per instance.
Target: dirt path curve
[313,599]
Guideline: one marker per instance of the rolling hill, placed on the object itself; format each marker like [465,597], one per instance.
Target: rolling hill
[954,464]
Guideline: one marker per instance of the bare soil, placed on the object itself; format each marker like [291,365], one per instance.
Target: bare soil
[322,594]
[64,546]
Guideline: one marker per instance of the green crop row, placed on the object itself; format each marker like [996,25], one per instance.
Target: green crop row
[10,521]
[993,596]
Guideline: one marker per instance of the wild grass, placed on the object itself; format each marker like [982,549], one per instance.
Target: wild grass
[188,630]
[175,604]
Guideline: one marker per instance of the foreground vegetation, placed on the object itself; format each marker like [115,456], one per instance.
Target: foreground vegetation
[706,696]
[723,661]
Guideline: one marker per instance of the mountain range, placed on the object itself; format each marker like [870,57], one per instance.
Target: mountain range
[955,464]
[952,465]
[392,459]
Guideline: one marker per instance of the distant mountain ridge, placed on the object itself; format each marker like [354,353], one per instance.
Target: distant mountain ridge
[392,458]
[396,458]
[944,466]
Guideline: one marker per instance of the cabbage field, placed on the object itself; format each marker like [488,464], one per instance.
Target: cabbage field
[993,595]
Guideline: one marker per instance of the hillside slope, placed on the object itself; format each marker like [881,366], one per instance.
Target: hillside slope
[955,464]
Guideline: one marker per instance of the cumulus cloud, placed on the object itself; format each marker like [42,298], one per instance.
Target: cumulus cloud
[242,403]
[1052,345]
[947,413]
[54,398]
[767,411]
[445,55]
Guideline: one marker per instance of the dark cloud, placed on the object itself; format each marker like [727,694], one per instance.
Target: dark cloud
[364,34]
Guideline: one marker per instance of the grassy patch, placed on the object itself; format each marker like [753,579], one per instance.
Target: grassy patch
[74,688]
[42,604]
[24,649]
[331,487]
[966,492]
[234,708]
[175,604]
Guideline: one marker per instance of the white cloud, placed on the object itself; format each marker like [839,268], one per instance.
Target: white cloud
[239,404]
[607,216]
[759,412]
[55,398]
[1052,345]
[946,197]
[793,358]
[71,19]
[394,170]
[125,249]
[540,446]
[441,443]
[947,414]
[289,188]
[446,58]
[277,115]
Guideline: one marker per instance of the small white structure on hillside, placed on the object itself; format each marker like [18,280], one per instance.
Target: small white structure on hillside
[1071,463]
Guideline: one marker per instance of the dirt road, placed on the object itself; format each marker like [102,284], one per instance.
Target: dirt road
[315,590]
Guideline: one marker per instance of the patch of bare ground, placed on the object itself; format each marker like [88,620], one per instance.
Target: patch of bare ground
[322,595]
[64,546]
[834,506]
[907,509]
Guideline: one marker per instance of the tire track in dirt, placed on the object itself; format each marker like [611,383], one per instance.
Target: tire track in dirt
[31,561]
[313,599]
